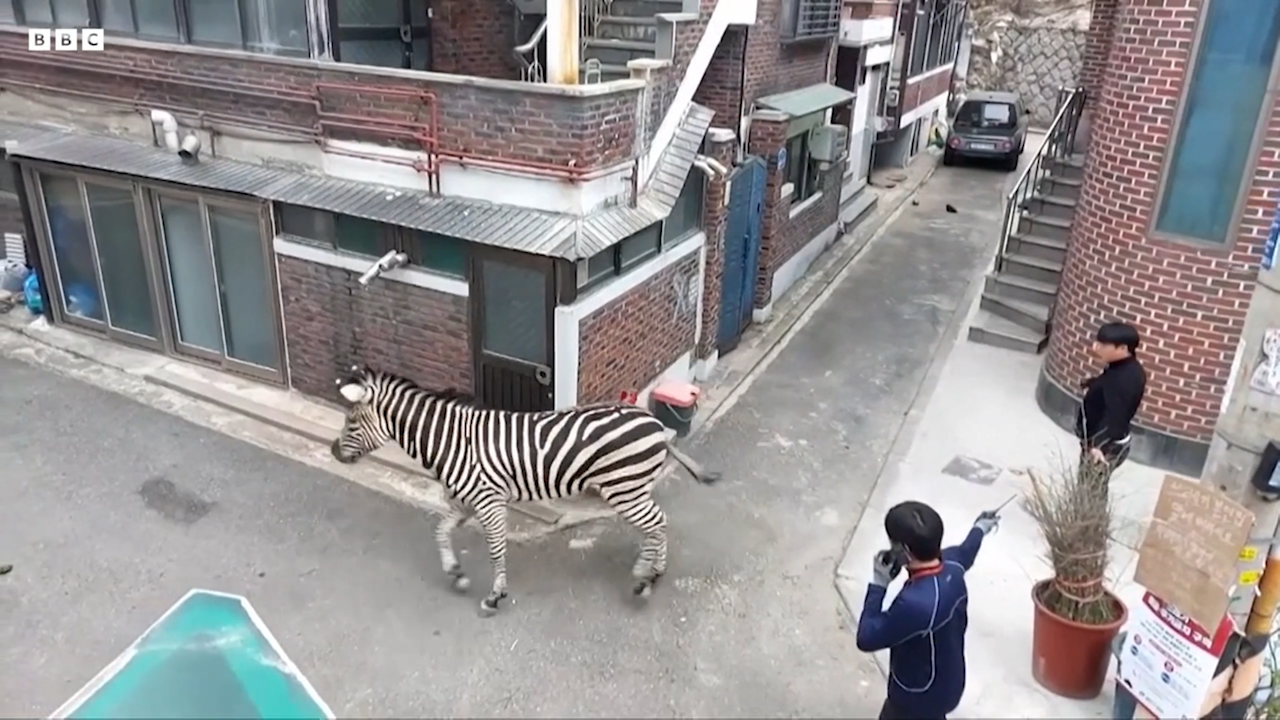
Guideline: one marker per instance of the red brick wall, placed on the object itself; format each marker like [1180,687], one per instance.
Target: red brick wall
[721,87]
[1096,45]
[925,89]
[1188,302]
[508,124]
[419,333]
[865,9]
[770,66]
[714,221]
[627,343]
[475,37]
[782,236]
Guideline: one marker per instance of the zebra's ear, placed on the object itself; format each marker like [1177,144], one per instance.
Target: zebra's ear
[354,392]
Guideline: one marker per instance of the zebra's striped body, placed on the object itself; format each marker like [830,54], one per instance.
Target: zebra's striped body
[486,459]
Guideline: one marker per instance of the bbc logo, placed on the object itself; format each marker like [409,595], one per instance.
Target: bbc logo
[65,39]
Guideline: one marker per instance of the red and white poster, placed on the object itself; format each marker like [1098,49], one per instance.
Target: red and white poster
[1168,660]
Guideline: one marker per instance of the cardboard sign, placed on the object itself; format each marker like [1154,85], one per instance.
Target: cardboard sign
[1188,557]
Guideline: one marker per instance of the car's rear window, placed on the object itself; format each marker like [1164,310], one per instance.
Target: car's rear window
[984,114]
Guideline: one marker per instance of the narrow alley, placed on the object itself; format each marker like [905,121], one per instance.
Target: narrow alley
[745,624]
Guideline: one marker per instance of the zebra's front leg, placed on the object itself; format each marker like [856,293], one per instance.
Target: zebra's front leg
[453,517]
[494,521]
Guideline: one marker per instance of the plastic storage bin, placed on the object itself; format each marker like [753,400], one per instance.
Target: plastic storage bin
[675,404]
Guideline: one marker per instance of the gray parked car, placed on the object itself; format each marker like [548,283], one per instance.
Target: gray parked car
[989,125]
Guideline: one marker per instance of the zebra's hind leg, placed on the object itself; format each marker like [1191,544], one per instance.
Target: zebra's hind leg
[645,515]
[493,518]
[453,517]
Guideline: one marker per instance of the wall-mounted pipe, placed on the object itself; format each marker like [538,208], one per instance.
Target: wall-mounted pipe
[169,126]
[189,148]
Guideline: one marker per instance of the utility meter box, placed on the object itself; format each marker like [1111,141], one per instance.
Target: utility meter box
[828,143]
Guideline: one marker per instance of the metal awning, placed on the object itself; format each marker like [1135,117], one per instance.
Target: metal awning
[507,226]
[806,100]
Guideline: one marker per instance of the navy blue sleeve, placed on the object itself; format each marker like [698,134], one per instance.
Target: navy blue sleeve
[966,552]
[879,629]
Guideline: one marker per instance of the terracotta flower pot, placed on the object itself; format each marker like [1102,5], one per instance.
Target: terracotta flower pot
[1070,658]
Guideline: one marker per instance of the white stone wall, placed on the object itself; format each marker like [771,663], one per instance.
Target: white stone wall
[1032,56]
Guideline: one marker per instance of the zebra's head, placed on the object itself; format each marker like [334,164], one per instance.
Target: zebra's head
[363,431]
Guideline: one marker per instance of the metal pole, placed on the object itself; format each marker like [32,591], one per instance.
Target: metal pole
[564,46]
[1253,608]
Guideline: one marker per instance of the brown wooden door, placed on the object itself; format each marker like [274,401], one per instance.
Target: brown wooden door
[512,316]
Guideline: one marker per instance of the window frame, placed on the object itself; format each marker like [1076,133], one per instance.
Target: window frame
[410,241]
[1250,170]
[695,183]
[182,16]
[809,177]
[339,34]
[617,268]
[789,21]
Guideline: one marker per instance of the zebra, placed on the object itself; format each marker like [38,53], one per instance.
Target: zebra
[486,459]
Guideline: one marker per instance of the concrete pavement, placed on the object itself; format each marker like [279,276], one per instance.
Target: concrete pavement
[746,625]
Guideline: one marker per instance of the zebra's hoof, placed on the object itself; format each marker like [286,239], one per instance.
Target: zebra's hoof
[461,583]
[643,590]
[489,607]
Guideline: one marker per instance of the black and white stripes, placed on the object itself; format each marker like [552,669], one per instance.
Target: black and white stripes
[488,458]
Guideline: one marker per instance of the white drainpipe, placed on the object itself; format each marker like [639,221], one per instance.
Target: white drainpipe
[169,125]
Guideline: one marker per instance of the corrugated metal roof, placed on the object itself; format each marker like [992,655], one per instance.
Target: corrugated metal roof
[507,226]
[806,100]
[602,230]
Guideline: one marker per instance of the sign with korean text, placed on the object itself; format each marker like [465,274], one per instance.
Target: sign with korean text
[1190,553]
[1168,661]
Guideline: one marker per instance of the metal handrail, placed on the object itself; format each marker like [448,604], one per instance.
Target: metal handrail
[1059,140]
[531,69]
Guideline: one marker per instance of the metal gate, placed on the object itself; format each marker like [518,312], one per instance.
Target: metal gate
[741,252]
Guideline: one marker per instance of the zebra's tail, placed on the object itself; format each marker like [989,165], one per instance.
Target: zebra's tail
[699,473]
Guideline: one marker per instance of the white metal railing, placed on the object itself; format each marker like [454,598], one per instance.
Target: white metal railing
[526,53]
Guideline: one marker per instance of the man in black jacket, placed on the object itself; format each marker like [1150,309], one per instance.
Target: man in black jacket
[1112,398]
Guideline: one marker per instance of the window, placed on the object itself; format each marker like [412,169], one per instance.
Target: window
[1225,94]
[275,27]
[8,178]
[809,19]
[987,115]
[632,251]
[801,174]
[686,217]
[438,253]
[368,32]
[919,43]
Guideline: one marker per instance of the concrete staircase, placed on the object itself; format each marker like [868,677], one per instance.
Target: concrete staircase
[1018,296]
[628,30]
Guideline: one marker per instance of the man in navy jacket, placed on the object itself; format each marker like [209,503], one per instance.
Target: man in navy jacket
[924,627]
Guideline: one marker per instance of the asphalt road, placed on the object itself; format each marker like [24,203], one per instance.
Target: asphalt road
[112,510]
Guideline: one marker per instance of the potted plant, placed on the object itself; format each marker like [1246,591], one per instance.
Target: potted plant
[1076,617]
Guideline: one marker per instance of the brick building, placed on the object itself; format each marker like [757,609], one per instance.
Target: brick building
[1179,187]
[918,86]
[543,211]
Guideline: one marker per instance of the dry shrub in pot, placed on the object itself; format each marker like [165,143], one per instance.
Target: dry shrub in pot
[1072,507]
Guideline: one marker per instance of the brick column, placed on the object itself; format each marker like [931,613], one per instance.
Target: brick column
[721,144]
[1097,45]
[768,138]
[1188,301]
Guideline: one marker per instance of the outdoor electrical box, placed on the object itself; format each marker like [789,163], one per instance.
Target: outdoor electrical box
[1266,477]
[828,143]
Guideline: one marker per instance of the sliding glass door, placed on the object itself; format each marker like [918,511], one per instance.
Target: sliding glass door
[219,282]
[104,279]
[173,271]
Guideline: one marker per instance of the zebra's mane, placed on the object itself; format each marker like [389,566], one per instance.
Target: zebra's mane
[451,394]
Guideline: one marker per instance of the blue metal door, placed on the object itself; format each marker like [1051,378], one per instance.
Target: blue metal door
[741,252]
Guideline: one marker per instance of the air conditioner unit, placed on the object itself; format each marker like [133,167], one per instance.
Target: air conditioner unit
[891,97]
[828,143]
